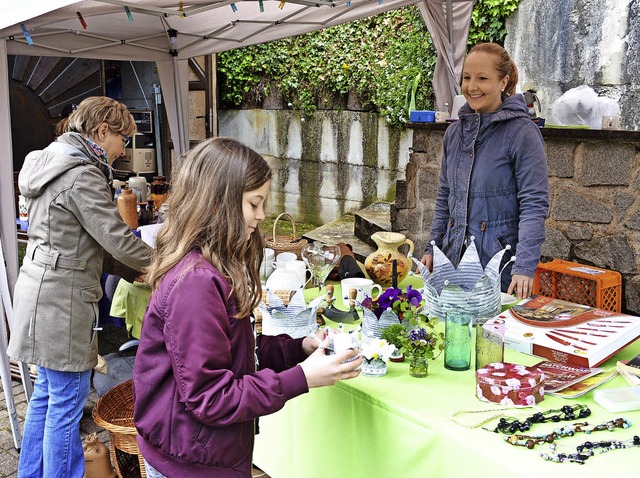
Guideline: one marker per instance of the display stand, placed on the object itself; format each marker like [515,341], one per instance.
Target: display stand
[5,372]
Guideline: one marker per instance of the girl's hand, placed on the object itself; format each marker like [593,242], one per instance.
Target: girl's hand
[311,343]
[321,370]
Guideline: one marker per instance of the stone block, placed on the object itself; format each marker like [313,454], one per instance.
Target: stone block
[419,159]
[579,233]
[429,142]
[634,221]
[622,202]
[401,195]
[631,293]
[569,205]
[608,252]
[560,158]
[428,182]
[599,164]
[555,244]
[358,102]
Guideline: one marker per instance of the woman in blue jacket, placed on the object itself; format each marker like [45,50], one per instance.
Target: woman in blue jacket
[493,180]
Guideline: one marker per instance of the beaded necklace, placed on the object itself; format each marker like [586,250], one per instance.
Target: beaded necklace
[530,441]
[587,450]
[510,425]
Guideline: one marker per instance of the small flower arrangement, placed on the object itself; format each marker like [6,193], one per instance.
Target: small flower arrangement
[419,342]
[377,349]
[406,305]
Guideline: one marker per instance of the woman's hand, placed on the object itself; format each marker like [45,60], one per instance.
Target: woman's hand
[427,260]
[521,285]
[321,370]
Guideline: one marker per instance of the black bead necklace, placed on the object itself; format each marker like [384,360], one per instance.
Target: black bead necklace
[588,449]
[510,425]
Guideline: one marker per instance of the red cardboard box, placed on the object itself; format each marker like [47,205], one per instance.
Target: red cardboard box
[510,384]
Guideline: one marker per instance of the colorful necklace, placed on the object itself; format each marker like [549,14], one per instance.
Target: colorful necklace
[530,441]
[588,449]
[510,425]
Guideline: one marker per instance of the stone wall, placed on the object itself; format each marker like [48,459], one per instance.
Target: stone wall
[594,178]
[325,165]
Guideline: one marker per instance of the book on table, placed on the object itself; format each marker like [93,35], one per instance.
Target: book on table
[558,376]
[568,333]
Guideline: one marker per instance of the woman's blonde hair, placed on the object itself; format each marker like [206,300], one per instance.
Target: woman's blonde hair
[205,214]
[94,111]
[504,64]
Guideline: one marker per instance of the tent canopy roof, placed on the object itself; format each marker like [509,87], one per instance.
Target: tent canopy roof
[203,26]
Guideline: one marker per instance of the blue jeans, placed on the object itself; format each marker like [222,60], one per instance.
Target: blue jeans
[51,444]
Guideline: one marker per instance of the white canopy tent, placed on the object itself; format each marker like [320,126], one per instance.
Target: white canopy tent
[170,32]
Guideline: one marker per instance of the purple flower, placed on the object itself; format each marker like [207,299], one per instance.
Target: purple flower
[388,297]
[413,296]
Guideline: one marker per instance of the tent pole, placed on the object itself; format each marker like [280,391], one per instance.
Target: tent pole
[182,147]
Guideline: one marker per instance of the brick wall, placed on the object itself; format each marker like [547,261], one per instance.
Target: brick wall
[594,181]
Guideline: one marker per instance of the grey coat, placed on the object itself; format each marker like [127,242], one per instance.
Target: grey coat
[493,186]
[73,222]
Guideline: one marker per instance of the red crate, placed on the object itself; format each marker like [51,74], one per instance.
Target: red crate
[560,279]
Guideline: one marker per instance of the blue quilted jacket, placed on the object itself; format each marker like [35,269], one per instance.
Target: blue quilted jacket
[494,187]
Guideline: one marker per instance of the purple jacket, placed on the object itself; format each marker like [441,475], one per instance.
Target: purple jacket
[196,389]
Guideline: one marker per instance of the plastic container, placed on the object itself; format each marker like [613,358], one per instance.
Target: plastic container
[422,116]
[618,399]
[580,284]
[510,384]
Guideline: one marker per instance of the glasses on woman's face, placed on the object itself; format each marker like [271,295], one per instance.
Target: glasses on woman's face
[125,139]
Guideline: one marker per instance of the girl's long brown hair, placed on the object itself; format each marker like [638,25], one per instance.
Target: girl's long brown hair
[205,213]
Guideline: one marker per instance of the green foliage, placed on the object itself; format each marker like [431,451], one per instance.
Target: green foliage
[393,334]
[488,20]
[388,60]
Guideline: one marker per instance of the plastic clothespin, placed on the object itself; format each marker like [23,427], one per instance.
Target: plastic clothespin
[348,4]
[181,9]
[129,16]
[380,2]
[26,34]
[82,22]
[234,8]
[261,4]
[282,2]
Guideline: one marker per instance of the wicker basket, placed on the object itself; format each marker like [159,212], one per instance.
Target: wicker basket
[285,243]
[114,413]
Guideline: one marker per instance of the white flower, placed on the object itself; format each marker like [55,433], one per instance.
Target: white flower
[378,348]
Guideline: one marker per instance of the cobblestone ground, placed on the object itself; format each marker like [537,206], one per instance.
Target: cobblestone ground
[110,339]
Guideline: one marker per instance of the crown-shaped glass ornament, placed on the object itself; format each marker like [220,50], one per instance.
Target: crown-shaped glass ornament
[468,287]
[296,319]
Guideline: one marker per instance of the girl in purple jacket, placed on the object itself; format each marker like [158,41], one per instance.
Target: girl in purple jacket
[199,379]
[493,180]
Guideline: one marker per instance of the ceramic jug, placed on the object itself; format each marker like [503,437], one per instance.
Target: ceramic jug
[97,463]
[379,264]
[128,208]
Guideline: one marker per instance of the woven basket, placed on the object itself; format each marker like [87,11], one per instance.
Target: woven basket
[285,243]
[285,296]
[114,413]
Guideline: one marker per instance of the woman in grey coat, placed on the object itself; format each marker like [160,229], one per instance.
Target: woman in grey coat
[493,182]
[75,232]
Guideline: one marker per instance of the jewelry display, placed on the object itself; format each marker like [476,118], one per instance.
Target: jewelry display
[510,425]
[588,449]
[530,441]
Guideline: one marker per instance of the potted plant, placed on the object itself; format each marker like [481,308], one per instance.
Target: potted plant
[376,352]
[392,334]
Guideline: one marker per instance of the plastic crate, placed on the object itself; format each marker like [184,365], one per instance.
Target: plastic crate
[580,284]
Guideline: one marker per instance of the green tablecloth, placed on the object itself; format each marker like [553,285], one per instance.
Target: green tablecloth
[400,426]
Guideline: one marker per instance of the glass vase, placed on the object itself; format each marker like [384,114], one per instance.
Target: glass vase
[418,366]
